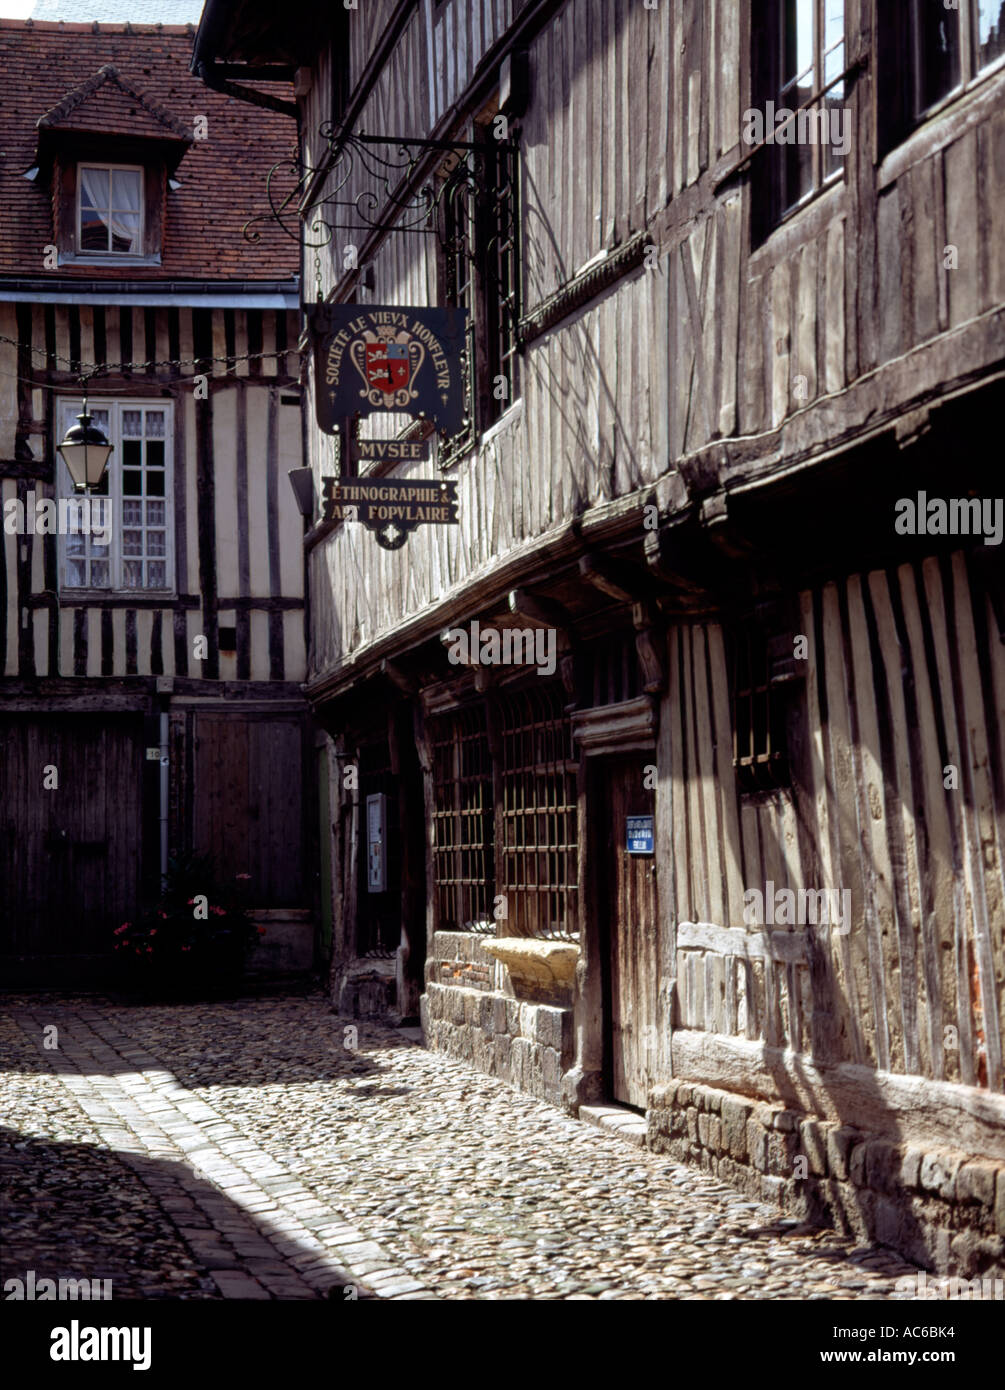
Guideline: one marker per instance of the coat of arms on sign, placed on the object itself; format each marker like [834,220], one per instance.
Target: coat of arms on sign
[387,367]
[388,358]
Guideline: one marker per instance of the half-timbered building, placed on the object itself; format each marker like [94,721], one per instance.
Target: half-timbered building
[150,698]
[726,848]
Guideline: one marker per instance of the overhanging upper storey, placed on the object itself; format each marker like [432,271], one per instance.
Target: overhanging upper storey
[253,40]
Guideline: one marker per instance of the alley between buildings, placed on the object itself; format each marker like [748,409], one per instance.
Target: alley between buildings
[264,1148]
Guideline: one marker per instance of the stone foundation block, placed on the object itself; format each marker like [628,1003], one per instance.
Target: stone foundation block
[839,1147]
[813,1142]
[735,1114]
[938,1173]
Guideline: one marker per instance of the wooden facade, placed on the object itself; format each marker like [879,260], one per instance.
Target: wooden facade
[211,635]
[236,542]
[713,427]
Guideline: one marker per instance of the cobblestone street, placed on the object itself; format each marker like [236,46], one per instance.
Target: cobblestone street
[241,1150]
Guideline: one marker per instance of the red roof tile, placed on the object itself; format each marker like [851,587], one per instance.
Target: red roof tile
[51,70]
[105,103]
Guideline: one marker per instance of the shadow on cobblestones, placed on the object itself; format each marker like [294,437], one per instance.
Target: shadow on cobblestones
[293,1151]
[80,1212]
[77,1211]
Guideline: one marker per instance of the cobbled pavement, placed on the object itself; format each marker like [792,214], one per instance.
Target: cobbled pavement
[258,1148]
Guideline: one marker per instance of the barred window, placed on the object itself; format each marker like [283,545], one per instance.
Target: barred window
[462,819]
[540,860]
[759,750]
[610,670]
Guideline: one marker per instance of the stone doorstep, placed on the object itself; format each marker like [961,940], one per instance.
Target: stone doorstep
[617,1119]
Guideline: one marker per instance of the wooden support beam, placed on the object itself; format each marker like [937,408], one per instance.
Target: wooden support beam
[547,613]
[399,677]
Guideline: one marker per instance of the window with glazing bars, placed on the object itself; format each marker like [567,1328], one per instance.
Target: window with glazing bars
[137,554]
[759,748]
[929,51]
[799,51]
[462,819]
[539,850]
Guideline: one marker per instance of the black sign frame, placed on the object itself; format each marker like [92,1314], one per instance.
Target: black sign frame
[392,508]
[390,360]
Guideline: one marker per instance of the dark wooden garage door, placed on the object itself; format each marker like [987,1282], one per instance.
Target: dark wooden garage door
[248,809]
[69,856]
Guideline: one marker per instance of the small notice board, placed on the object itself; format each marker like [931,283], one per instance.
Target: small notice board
[639,834]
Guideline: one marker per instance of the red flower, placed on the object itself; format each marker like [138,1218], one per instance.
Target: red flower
[191,901]
[186,948]
[150,950]
[162,915]
[261,931]
[218,911]
[153,931]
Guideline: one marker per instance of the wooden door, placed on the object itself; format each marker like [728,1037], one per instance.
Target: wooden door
[248,809]
[70,853]
[627,903]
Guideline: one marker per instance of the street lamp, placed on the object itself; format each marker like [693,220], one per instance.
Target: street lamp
[85,452]
[302,482]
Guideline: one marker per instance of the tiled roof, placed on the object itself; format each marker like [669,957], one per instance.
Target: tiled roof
[106,104]
[51,71]
[118,11]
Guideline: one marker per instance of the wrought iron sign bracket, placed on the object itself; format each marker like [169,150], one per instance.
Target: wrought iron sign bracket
[379,185]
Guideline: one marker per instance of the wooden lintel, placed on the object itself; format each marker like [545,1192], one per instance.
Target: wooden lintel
[35,470]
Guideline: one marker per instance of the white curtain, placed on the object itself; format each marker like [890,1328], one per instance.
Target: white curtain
[126,202]
[123,195]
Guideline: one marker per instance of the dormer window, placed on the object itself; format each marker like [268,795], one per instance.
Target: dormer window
[112,154]
[109,209]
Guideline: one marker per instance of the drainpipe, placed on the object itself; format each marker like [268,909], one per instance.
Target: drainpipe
[165,785]
[165,688]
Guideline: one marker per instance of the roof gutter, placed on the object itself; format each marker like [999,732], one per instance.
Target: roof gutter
[205,55]
[204,294]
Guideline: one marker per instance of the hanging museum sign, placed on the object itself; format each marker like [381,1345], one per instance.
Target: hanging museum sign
[370,451]
[390,507]
[377,358]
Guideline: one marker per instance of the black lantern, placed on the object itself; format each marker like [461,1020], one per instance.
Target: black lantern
[302,482]
[85,452]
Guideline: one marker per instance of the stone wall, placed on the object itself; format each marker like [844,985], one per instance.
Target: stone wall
[469,1011]
[287,946]
[938,1207]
